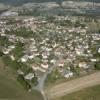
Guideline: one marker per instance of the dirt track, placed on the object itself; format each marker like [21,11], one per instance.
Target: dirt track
[73,85]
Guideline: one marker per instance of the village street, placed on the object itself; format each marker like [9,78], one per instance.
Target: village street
[40,86]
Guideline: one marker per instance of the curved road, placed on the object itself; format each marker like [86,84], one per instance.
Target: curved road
[41,82]
[73,85]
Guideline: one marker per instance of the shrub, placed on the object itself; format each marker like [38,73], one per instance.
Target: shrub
[23,82]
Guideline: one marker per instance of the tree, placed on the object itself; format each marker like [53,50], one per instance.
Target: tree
[77,70]
[7,60]
[34,81]
[52,77]
[13,64]
[18,51]
[23,82]
[1,54]
[97,65]
[4,41]
[37,60]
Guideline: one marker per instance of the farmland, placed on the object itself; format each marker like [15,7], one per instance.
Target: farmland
[91,93]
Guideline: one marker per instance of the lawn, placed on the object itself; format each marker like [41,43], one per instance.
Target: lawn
[91,93]
[10,89]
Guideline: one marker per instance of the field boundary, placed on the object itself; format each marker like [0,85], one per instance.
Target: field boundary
[73,85]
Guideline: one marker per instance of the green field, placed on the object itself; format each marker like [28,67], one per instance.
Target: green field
[91,93]
[10,89]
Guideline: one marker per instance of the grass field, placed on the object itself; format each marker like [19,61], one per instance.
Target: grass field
[91,93]
[10,89]
[93,26]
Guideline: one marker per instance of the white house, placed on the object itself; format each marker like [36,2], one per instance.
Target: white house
[6,51]
[83,65]
[24,58]
[45,55]
[99,50]
[29,76]
[93,59]
[45,65]
[61,63]
[53,61]
[12,57]
[69,74]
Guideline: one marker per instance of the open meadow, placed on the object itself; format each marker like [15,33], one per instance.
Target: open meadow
[10,89]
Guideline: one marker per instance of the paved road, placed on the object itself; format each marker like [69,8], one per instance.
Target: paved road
[40,86]
[73,85]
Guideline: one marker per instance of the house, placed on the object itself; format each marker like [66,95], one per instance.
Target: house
[3,34]
[79,51]
[42,42]
[41,70]
[5,50]
[68,74]
[99,50]
[61,63]
[12,57]
[53,61]
[29,76]
[48,49]
[24,58]
[45,60]
[45,65]
[93,59]
[20,72]
[45,55]
[83,65]
[30,56]
[11,46]
[71,30]
[9,13]
[54,45]
[35,67]
[57,51]
[35,53]
[33,48]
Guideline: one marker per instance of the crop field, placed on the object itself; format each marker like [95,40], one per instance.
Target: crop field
[91,93]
